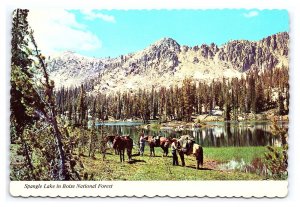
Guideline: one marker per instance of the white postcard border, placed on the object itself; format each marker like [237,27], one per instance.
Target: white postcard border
[244,189]
[293,198]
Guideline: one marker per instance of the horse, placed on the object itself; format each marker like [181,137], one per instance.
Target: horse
[110,138]
[162,142]
[187,146]
[121,143]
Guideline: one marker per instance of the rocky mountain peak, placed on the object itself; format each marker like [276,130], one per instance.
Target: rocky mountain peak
[264,54]
[165,62]
[66,55]
[166,43]
[160,57]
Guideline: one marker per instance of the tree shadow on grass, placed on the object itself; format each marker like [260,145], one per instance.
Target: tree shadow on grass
[159,156]
[133,161]
[135,154]
[201,168]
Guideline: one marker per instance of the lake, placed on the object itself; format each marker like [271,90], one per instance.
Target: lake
[214,134]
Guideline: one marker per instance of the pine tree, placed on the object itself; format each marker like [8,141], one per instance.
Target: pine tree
[280,104]
[32,91]
[188,99]
[260,99]
[252,94]
[82,107]
[93,140]
[21,73]
[70,112]
[227,104]
[162,104]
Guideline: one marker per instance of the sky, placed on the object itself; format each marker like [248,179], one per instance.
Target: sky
[110,33]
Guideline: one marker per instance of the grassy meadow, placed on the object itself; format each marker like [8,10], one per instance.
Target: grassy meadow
[161,168]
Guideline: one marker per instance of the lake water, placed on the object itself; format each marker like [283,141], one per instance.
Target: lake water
[215,134]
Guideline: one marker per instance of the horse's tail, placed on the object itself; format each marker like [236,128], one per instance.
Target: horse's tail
[130,143]
[200,155]
[129,148]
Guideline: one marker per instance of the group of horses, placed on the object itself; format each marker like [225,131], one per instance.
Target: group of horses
[185,145]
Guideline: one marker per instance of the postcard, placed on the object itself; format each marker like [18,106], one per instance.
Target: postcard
[149,103]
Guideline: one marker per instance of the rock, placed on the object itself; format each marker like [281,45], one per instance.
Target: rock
[243,54]
[196,60]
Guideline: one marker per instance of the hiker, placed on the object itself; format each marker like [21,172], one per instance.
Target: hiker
[142,144]
[174,151]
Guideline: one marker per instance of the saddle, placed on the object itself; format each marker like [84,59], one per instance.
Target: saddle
[157,140]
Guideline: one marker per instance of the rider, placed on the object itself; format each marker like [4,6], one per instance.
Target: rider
[142,144]
[174,152]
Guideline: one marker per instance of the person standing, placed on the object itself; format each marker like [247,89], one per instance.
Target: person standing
[174,152]
[142,144]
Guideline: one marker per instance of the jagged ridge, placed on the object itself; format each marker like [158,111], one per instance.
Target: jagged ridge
[165,62]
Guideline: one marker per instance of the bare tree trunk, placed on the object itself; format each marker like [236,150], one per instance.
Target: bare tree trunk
[91,142]
[28,159]
[62,173]
[103,142]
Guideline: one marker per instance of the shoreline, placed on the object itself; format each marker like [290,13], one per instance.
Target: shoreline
[198,121]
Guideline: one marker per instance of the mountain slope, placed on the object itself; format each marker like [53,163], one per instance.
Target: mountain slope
[165,63]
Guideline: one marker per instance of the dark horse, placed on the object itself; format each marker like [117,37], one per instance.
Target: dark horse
[162,142]
[121,143]
[110,139]
[187,146]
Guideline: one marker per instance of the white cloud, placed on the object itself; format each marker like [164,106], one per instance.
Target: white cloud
[91,15]
[57,30]
[251,14]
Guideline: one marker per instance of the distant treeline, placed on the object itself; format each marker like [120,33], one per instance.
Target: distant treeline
[256,91]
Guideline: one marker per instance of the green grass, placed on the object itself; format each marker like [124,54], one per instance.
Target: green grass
[155,126]
[161,168]
[225,154]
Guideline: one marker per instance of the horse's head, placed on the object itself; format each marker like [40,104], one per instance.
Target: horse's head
[189,145]
[166,143]
[126,137]
[110,138]
[186,144]
[149,139]
[173,140]
[116,141]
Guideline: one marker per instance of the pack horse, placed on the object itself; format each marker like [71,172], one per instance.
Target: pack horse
[187,146]
[120,143]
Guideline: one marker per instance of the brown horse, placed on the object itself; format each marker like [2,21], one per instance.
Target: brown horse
[162,142]
[121,143]
[187,146]
[110,139]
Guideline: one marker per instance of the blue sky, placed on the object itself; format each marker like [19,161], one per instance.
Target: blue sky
[103,33]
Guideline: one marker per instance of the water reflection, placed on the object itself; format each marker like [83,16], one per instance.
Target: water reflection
[215,134]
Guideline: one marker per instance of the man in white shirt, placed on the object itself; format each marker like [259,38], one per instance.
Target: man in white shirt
[142,144]
[174,152]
